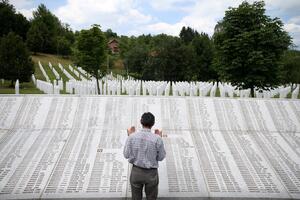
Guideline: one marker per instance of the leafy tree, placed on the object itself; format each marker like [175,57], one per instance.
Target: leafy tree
[110,34]
[136,58]
[67,33]
[90,52]
[125,44]
[171,61]
[188,34]
[48,27]
[291,67]
[15,61]
[11,21]
[249,47]
[36,36]
[63,46]
[204,50]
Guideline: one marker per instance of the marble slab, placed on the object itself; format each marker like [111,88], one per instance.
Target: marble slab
[71,147]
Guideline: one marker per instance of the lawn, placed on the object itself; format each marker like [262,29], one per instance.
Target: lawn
[25,88]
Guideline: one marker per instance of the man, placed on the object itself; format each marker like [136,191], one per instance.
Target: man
[144,149]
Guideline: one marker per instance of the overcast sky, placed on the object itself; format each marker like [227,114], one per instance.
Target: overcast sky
[135,17]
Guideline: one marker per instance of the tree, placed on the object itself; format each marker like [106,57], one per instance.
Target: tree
[187,34]
[110,34]
[48,27]
[291,67]
[11,21]
[249,47]
[90,52]
[15,61]
[172,60]
[36,36]
[136,58]
[63,46]
[204,50]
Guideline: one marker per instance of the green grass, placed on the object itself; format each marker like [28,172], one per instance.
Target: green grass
[25,88]
[46,58]
[218,94]
[49,72]
[66,67]
[38,73]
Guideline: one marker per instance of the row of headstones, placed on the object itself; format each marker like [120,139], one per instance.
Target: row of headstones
[44,72]
[72,69]
[82,71]
[58,82]
[48,87]
[159,88]
[65,72]
[57,76]
[44,86]
[81,87]
[226,89]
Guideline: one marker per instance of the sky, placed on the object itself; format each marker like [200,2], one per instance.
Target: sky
[136,17]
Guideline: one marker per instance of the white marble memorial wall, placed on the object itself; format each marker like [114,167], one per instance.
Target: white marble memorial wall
[71,147]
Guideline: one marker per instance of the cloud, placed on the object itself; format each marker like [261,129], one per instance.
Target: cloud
[166,5]
[293,27]
[161,27]
[113,14]
[283,6]
[200,15]
[28,13]
[24,6]
[203,15]
[135,17]
[21,3]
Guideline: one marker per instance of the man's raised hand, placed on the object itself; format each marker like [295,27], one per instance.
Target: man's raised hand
[158,132]
[130,130]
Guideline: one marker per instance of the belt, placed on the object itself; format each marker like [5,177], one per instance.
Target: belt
[143,167]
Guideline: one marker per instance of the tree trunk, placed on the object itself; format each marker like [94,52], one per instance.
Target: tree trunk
[12,83]
[98,88]
[293,87]
[252,91]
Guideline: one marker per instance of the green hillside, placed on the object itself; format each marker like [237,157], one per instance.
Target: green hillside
[29,87]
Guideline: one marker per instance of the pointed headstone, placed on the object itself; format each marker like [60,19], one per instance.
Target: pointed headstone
[17,87]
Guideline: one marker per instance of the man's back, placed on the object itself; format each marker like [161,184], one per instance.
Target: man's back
[144,149]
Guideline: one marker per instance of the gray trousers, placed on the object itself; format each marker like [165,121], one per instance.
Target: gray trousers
[144,177]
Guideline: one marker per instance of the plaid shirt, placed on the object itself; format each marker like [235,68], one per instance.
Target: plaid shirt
[144,149]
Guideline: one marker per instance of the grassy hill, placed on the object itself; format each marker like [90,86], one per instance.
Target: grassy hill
[29,87]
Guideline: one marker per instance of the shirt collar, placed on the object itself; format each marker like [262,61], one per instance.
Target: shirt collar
[145,130]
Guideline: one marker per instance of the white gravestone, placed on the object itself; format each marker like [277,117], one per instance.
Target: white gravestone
[17,87]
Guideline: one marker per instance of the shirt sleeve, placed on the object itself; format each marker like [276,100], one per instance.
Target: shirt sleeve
[161,152]
[126,151]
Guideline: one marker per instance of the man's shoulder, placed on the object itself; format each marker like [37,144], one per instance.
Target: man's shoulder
[141,134]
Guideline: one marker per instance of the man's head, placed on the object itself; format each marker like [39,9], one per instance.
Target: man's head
[148,120]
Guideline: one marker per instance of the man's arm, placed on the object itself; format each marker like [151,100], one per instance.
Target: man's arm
[161,152]
[126,151]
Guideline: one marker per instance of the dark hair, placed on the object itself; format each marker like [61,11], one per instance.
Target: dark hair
[148,119]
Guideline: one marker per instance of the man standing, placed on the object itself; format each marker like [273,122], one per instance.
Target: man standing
[144,149]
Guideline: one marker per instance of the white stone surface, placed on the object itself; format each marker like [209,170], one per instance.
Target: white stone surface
[66,147]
